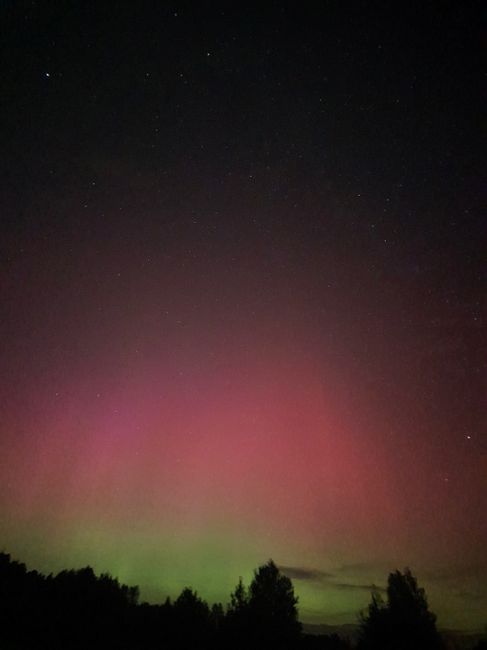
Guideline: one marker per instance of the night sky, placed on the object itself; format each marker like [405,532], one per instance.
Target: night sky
[243,296]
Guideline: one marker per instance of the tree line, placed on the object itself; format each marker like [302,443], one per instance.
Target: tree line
[78,610]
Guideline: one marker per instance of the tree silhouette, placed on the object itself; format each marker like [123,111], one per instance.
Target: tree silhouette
[272,605]
[265,615]
[236,623]
[217,616]
[239,599]
[191,618]
[77,609]
[404,622]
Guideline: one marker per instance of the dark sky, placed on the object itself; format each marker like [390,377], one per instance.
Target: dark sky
[235,240]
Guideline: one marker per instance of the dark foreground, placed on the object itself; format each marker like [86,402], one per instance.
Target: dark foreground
[77,610]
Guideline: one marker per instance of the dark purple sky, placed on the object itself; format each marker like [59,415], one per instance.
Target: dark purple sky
[243,295]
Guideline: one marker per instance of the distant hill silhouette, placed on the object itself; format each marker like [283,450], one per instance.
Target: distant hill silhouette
[346,631]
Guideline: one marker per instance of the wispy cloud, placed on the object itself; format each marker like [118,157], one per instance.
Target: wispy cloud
[472,596]
[360,587]
[305,573]
[316,575]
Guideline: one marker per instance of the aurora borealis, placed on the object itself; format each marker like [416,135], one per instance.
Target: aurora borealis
[243,298]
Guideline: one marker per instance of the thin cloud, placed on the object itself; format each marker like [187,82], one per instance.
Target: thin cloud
[360,587]
[305,573]
[316,575]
